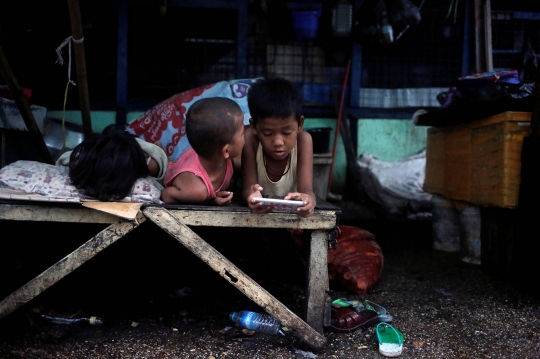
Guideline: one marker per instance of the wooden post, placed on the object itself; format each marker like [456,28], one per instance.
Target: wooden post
[487,35]
[80,62]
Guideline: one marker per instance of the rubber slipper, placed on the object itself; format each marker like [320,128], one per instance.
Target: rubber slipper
[390,340]
[366,304]
[383,315]
[346,319]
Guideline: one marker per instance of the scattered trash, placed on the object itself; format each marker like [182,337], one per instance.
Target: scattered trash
[306,354]
[97,321]
[263,323]
[67,317]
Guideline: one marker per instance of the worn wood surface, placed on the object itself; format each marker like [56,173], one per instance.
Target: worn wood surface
[176,228]
[317,281]
[52,212]
[121,209]
[319,220]
[67,265]
[478,162]
[215,216]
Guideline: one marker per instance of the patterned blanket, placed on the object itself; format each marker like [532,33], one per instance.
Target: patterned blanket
[166,122]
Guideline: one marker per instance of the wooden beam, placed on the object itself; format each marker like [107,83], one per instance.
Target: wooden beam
[319,220]
[317,297]
[48,212]
[80,62]
[183,234]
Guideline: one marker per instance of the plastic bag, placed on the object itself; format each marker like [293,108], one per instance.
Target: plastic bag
[397,187]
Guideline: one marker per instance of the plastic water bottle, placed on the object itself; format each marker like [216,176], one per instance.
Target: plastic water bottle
[263,323]
[97,321]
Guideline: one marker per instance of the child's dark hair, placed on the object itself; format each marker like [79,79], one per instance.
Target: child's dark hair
[274,97]
[105,166]
[210,124]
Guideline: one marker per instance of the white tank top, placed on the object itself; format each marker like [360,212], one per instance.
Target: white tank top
[287,183]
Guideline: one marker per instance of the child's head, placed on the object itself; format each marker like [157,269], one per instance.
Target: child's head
[275,106]
[107,165]
[274,97]
[214,122]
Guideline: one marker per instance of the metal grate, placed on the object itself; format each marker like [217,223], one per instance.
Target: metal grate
[428,54]
[516,42]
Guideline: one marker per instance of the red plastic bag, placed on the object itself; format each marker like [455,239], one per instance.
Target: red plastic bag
[357,261]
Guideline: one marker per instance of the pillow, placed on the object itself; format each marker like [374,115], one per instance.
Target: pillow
[165,122]
[50,181]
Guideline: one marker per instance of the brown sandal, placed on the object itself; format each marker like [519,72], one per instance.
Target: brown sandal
[346,319]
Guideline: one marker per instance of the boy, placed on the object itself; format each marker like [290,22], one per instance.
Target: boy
[204,172]
[277,160]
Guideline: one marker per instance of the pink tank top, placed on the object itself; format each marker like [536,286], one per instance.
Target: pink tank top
[189,162]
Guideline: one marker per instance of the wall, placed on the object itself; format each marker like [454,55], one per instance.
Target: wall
[389,140]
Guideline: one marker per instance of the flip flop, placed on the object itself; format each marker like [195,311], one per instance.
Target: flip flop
[383,316]
[366,304]
[390,340]
[346,319]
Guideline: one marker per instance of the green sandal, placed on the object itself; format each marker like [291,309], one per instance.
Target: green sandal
[390,340]
[383,316]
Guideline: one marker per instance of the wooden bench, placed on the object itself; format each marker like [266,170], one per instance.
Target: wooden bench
[176,220]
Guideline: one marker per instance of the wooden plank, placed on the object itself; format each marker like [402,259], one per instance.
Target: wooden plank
[125,210]
[317,282]
[176,228]
[319,220]
[67,265]
[51,212]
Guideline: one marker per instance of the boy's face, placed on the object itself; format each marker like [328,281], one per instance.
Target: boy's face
[238,141]
[278,135]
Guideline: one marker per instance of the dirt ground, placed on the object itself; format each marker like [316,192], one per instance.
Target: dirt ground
[158,300]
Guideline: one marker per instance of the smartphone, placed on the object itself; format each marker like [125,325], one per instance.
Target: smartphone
[281,204]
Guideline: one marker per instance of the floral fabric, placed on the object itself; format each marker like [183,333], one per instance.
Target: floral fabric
[50,181]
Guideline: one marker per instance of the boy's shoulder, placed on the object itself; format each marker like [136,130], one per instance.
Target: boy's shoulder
[304,140]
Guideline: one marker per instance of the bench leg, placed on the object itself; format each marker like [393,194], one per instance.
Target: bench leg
[317,285]
[189,239]
[66,265]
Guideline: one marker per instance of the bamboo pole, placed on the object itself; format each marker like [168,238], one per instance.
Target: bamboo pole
[24,108]
[487,35]
[80,62]
[478,36]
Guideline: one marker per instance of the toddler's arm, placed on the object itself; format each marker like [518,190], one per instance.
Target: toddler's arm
[186,188]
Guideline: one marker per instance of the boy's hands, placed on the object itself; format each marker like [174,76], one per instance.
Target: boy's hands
[222,197]
[257,207]
[309,205]
[305,210]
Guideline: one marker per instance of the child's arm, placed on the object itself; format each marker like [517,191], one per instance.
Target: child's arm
[250,186]
[156,159]
[304,174]
[186,188]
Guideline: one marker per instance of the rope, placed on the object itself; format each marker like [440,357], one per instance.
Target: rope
[70,81]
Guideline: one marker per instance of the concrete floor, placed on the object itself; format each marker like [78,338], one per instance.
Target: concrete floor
[445,308]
